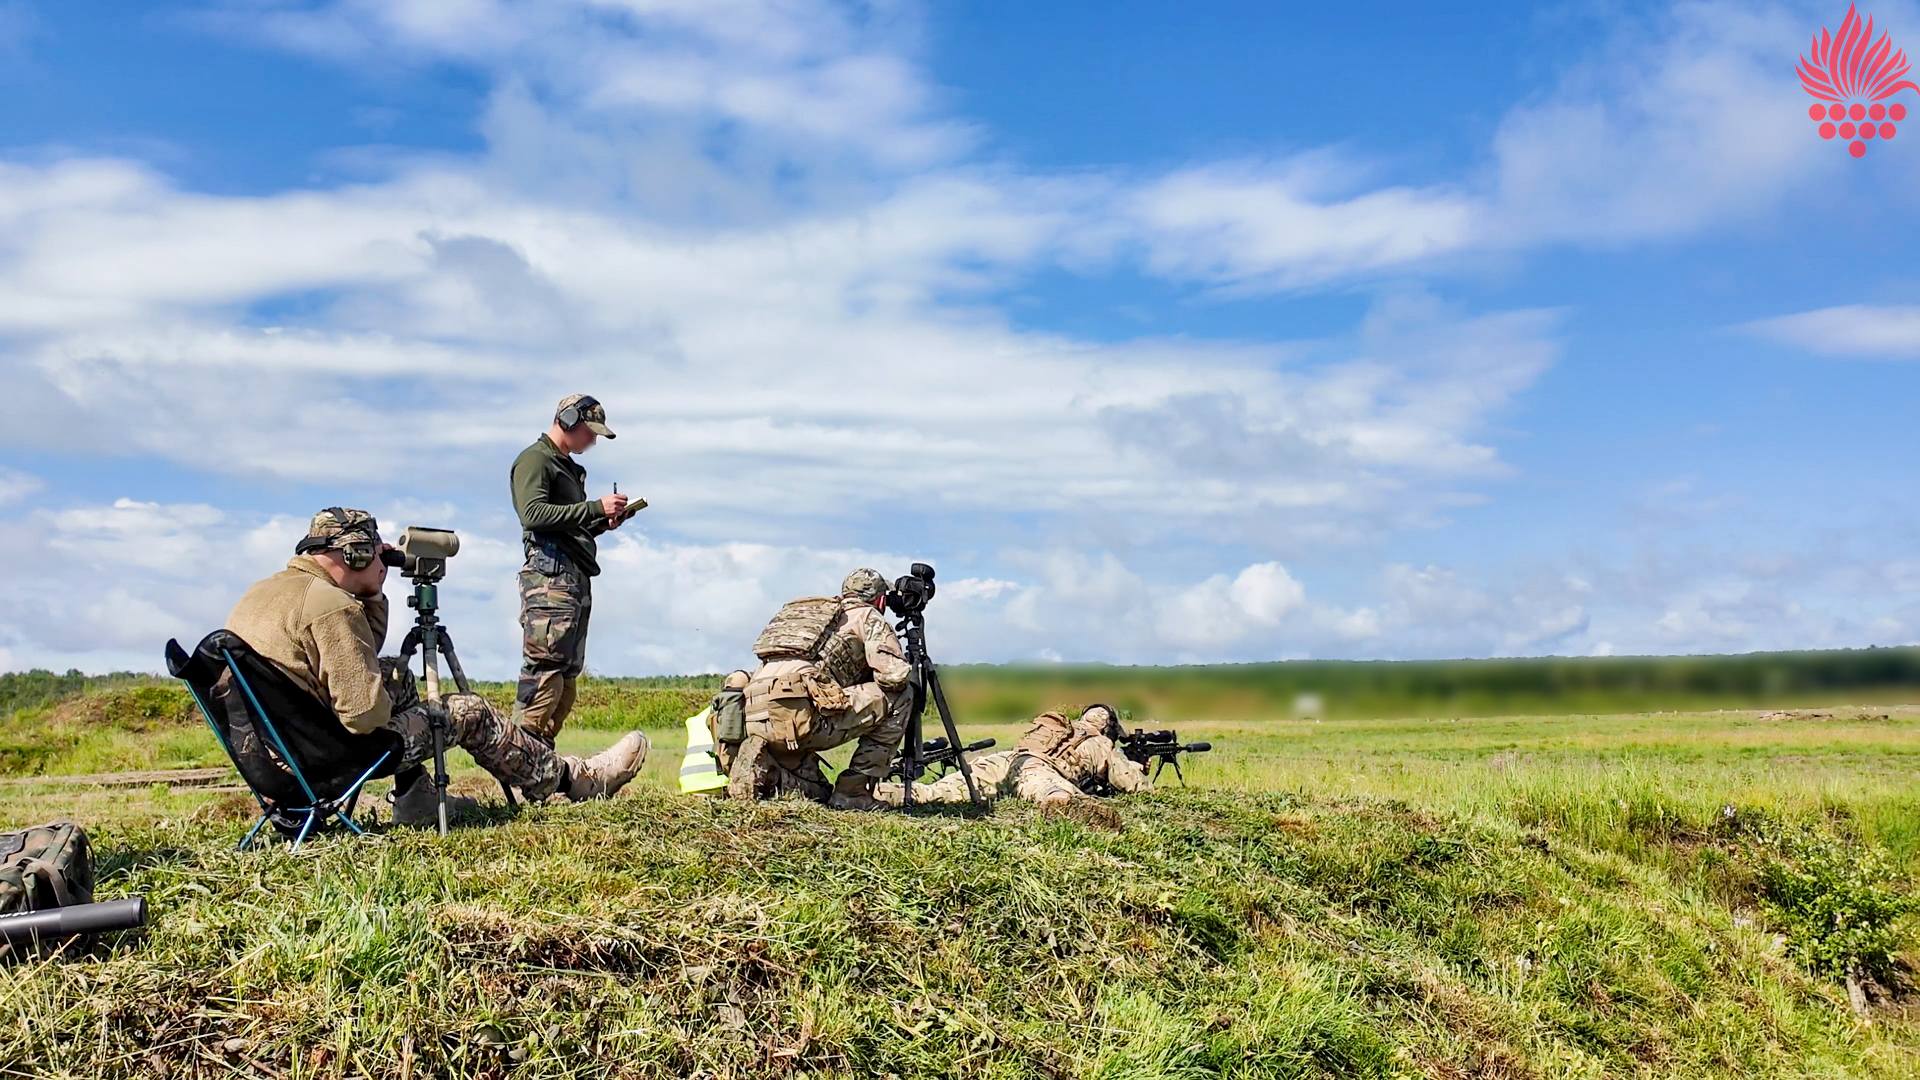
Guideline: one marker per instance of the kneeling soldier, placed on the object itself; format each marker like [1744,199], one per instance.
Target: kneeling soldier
[1056,760]
[322,621]
[832,672]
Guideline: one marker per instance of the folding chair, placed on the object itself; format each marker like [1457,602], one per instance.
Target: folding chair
[303,766]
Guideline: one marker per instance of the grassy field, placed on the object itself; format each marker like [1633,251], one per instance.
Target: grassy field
[1607,894]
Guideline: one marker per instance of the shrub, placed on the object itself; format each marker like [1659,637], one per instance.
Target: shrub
[1838,898]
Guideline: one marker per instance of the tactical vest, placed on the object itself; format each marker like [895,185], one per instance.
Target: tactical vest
[843,658]
[799,630]
[1050,735]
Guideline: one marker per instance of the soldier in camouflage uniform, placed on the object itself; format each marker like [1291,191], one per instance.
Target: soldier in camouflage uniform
[559,524]
[322,621]
[862,688]
[1056,761]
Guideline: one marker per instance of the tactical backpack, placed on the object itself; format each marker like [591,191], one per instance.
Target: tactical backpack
[799,629]
[44,867]
[1050,733]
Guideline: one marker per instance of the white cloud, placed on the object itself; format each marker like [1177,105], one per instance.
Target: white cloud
[1885,332]
[16,485]
[1675,123]
[800,75]
[747,226]
[456,310]
[1294,223]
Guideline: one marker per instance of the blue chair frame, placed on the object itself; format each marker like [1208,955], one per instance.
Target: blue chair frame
[317,812]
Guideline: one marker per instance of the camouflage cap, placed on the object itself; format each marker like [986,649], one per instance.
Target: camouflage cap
[864,584]
[337,528]
[592,413]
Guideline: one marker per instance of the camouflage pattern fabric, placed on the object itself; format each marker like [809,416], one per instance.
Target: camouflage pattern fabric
[863,585]
[864,648]
[496,745]
[799,629]
[755,772]
[339,528]
[594,415]
[556,603]
[1088,755]
[876,721]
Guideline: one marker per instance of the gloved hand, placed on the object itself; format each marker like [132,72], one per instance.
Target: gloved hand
[402,690]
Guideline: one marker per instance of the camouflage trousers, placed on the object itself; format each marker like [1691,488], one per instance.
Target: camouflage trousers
[1009,772]
[510,754]
[556,602]
[876,719]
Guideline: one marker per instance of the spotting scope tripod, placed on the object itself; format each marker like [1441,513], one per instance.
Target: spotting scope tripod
[916,754]
[426,552]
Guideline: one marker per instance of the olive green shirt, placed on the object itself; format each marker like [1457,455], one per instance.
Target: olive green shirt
[550,495]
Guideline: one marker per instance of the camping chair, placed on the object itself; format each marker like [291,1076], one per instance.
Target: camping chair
[303,766]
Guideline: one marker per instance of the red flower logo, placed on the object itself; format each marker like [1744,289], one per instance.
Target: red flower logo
[1853,76]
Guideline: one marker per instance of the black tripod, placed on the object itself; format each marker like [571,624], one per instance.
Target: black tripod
[431,639]
[916,754]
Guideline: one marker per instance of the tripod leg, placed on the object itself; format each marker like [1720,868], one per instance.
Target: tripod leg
[910,747]
[440,770]
[430,660]
[1175,762]
[953,734]
[453,663]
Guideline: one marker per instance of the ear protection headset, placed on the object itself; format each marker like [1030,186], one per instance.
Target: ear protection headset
[569,417]
[357,556]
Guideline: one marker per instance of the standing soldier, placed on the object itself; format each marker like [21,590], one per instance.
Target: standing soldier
[558,526]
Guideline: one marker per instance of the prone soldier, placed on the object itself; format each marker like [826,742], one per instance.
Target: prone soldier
[323,619]
[1055,761]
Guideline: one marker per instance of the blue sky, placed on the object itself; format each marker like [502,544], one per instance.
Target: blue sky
[1360,330]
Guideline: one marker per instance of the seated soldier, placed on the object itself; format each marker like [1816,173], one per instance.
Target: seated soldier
[832,672]
[322,621]
[1055,761]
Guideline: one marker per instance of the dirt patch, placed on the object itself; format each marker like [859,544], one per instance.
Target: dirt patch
[179,778]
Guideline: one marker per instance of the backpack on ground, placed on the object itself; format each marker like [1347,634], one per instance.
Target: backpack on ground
[47,866]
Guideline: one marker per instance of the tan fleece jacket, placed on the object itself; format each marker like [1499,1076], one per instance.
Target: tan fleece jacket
[323,636]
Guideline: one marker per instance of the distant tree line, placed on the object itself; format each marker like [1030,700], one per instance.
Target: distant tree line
[1332,687]
[1466,687]
[27,689]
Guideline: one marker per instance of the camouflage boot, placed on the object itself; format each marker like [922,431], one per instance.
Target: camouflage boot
[852,791]
[606,772]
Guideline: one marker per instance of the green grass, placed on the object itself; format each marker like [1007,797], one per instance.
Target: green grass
[1510,896]
[1217,935]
